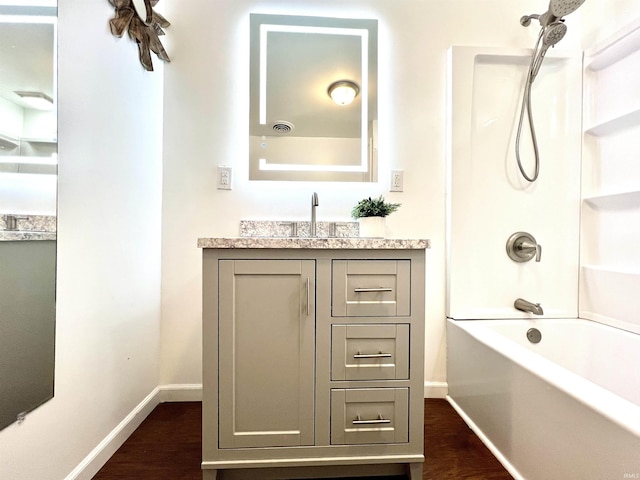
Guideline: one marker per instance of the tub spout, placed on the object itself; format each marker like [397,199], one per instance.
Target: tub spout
[525,306]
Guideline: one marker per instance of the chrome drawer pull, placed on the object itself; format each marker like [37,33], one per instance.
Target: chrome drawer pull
[372,355]
[368,290]
[377,421]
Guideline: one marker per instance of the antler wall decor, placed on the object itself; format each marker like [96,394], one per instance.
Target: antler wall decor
[145,31]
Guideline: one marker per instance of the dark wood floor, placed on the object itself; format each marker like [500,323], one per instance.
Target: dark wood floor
[167,446]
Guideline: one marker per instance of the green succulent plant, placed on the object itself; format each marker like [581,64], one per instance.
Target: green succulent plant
[373,207]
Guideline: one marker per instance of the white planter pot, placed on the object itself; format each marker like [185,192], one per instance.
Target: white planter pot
[372,227]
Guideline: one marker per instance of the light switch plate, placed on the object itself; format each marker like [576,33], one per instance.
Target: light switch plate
[224,178]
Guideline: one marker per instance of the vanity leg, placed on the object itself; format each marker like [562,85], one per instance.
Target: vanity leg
[209,474]
[415,471]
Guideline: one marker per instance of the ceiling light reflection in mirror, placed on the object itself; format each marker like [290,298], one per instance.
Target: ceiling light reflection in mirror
[297,132]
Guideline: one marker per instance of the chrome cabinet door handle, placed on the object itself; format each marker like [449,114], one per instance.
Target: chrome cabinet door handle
[308,295]
[378,289]
[372,355]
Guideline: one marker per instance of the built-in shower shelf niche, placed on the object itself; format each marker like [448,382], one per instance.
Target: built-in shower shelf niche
[610,218]
[615,125]
[615,48]
[40,140]
[612,306]
[616,200]
[8,142]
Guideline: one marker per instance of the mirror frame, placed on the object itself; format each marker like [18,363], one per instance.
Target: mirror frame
[364,168]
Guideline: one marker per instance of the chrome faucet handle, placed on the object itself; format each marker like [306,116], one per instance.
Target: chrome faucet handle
[334,226]
[529,248]
[522,247]
[293,227]
[11,221]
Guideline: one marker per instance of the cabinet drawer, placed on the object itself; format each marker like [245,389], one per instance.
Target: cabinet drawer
[371,288]
[370,352]
[369,415]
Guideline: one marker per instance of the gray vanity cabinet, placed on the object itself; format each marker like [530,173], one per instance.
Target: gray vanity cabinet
[313,362]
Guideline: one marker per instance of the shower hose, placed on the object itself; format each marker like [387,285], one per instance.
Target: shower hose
[536,59]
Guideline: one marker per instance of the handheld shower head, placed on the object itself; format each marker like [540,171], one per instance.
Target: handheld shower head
[553,34]
[549,36]
[553,30]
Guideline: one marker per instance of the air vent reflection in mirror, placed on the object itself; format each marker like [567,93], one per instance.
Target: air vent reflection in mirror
[282,127]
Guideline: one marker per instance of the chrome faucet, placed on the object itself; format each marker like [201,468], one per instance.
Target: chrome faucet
[11,221]
[525,306]
[314,204]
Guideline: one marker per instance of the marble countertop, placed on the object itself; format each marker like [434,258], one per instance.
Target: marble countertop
[17,235]
[315,243]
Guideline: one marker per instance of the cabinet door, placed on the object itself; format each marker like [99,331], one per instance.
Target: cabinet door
[266,349]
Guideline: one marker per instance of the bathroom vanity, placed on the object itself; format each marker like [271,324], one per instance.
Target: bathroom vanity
[312,357]
[27,322]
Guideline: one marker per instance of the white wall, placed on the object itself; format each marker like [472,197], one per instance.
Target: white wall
[206,124]
[11,120]
[603,19]
[108,313]
[27,194]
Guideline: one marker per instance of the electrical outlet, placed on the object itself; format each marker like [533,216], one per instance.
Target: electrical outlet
[397,181]
[224,178]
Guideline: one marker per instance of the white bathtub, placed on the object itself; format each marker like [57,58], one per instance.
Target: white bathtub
[565,408]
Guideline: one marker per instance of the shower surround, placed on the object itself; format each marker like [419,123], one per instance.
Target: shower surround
[584,413]
[488,200]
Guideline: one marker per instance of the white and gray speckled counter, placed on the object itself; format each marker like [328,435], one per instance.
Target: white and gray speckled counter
[315,243]
[15,236]
[27,227]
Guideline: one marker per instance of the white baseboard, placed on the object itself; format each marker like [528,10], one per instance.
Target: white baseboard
[164,394]
[436,389]
[107,447]
[185,392]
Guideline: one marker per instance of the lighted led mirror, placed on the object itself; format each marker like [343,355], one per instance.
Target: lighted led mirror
[28,189]
[297,131]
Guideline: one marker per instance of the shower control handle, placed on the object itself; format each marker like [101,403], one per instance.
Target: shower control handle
[530,248]
[522,247]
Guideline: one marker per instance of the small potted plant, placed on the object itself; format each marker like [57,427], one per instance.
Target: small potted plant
[371,213]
